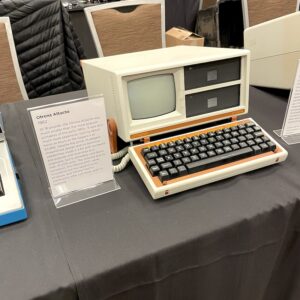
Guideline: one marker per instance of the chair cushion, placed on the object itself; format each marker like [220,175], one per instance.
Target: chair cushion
[135,30]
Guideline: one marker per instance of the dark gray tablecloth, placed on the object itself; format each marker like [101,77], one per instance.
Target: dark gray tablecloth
[234,239]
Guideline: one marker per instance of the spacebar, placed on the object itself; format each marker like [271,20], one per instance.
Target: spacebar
[218,160]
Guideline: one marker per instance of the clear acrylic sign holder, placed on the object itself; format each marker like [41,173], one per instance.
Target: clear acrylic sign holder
[73,142]
[290,132]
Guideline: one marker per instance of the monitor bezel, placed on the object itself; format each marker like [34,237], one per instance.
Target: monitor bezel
[159,121]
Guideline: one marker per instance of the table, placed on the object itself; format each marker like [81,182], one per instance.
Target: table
[234,239]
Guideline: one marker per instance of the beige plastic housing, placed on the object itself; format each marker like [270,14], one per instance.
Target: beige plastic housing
[275,50]
[110,76]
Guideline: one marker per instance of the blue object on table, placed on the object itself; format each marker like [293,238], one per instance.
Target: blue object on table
[12,208]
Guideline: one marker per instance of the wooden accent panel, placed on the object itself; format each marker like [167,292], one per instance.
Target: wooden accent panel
[137,30]
[260,11]
[112,135]
[185,124]
[156,180]
[9,86]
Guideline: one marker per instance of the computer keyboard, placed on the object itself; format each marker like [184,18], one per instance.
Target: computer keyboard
[187,161]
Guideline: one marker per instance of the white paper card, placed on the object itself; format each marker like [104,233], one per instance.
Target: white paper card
[74,145]
[291,125]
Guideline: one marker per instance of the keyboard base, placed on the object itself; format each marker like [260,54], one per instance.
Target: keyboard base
[159,189]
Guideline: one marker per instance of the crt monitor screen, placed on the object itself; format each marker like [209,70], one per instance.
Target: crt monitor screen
[151,96]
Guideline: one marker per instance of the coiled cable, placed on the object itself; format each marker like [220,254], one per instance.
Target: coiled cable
[124,161]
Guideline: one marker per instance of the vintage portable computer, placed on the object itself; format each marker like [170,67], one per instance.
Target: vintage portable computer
[162,91]
[275,51]
[12,208]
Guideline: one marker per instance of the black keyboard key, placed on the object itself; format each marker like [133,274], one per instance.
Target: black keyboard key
[219,138]
[226,143]
[194,151]
[210,147]
[166,165]
[234,128]
[249,136]
[179,148]
[160,160]
[218,160]
[264,147]
[242,132]
[177,155]
[182,170]
[194,157]
[203,142]
[249,129]
[227,136]
[203,136]
[177,162]
[203,155]
[241,126]
[2,193]
[258,134]
[226,130]
[187,140]
[179,142]
[171,150]
[145,151]
[154,148]
[171,144]
[241,138]
[256,149]
[173,173]
[258,141]
[163,146]
[211,153]
[154,170]
[202,149]
[235,134]
[256,128]
[188,146]
[151,162]
[219,151]
[151,155]
[235,147]
[250,124]
[211,134]
[195,138]
[163,175]
[265,139]
[243,145]
[212,139]
[162,152]
[186,160]
[218,145]
[272,146]
[196,144]
[234,141]
[227,149]
[251,143]
[186,153]
[219,132]
[169,157]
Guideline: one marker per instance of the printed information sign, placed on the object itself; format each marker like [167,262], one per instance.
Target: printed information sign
[290,132]
[74,145]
